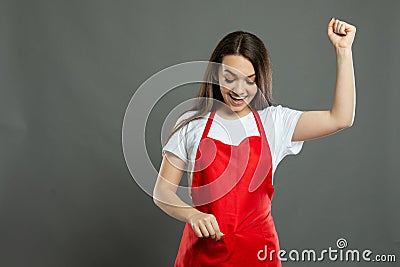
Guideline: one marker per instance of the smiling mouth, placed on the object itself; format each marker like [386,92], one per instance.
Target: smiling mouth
[234,97]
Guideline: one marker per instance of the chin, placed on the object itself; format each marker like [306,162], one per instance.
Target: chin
[238,109]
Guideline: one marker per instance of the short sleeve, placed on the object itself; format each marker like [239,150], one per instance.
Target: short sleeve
[286,120]
[177,144]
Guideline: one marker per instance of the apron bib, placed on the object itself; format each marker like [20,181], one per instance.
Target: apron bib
[234,183]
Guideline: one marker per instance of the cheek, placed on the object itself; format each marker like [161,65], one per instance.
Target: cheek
[253,91]
[224,90]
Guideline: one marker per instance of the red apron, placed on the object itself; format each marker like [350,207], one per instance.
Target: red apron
[234,183]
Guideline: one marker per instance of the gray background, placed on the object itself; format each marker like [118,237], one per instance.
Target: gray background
[69,68]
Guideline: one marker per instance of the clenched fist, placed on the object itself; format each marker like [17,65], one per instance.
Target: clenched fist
[340,33]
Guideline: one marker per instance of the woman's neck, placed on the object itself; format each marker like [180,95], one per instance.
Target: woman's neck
[227,113]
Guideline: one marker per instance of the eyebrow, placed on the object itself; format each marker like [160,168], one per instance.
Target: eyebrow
[236,75]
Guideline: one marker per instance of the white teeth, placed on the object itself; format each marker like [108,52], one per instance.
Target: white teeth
[237,98]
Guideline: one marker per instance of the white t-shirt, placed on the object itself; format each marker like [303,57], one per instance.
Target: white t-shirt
[278,122]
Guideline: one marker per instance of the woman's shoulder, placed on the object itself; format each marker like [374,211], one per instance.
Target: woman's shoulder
[280,113]
[270,110]
[277,113]
[186,115]
[276,109]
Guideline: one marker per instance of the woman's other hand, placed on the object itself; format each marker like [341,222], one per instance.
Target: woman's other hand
[205,225]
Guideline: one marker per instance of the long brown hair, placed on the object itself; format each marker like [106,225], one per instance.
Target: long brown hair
[241,43]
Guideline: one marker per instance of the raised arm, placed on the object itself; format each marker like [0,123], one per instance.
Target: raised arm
[318,123]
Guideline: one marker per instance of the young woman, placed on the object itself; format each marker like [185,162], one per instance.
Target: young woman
[230,144]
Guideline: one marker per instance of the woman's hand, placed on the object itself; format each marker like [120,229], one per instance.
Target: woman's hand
[340,33]
[205,225]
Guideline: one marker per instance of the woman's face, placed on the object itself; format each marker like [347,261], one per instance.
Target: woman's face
[237,83]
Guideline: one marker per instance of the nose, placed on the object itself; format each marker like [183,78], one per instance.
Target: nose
[240,90]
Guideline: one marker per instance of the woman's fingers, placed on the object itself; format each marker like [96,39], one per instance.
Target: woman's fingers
[196,230]
[336,26]
[210,229]
[342,29]
[331,25]
[215,225]
[209,223]
[339,27]
[203,229]
[205,225]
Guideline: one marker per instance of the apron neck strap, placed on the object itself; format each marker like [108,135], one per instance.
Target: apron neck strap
[208,125]
[256,116]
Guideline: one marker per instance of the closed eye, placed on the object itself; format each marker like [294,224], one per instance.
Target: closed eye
[231,81]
